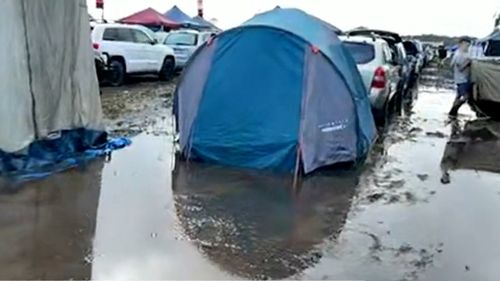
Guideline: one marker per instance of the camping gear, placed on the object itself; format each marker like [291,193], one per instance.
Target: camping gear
[486,78]
[150,18]
[278,92]
[51,108]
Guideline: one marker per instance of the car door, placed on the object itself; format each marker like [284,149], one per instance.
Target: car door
[393,70]
[132,51]
[149,54]
[405,67]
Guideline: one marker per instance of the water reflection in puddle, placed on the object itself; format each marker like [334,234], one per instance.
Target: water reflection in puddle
[137,217]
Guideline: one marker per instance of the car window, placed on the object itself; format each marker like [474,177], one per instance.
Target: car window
[402,52]
[118,34]
[148,32]
[125,35]
[182,39]
[141,37]
[361,52]
[387,54]
[205,37]
[110,34]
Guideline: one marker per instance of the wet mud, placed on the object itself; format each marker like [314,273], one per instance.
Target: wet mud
[424,207]
[139,106]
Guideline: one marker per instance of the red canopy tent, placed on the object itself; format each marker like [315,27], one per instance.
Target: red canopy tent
[149,17]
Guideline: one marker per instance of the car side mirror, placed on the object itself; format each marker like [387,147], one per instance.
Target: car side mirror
[154,42]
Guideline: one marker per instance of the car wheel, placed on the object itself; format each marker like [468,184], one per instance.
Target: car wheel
[167,69]
[117,74]
[398,102]
[380,116]
[99,69]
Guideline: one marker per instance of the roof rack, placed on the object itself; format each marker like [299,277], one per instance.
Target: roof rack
[372,35]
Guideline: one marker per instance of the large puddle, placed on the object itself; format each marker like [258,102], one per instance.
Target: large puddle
[424,207]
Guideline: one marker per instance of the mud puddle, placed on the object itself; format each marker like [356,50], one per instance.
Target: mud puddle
[140,215]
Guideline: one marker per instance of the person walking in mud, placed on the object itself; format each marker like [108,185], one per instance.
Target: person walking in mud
[461,64]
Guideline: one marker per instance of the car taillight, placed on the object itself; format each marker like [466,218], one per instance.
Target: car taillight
[379,79]
[95,46]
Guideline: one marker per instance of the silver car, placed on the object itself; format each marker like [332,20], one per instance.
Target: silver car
[420,55]
[185,42]
[379,69]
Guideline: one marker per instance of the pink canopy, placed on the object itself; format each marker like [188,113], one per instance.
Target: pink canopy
[149,17]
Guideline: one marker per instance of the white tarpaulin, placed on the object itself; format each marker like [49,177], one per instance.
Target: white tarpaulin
[47,74]
[486,76]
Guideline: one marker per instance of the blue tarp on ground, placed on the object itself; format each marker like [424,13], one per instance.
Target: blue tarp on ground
[278,88]
[45,157]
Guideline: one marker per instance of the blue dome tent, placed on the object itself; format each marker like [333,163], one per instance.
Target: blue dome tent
[278,91]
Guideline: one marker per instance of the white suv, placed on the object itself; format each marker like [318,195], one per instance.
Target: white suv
[132,49]
[379,70]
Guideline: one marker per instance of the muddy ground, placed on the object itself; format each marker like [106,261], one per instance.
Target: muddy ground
[424,207]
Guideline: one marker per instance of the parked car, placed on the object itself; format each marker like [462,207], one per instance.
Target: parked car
[412,57]
[185,42]
[406,67]
[420,55]
[132,50]
[399,55]
[379,70]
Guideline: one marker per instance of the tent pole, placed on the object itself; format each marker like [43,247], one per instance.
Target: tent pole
[296,173]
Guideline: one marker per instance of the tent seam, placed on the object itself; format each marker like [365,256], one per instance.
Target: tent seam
[30,71]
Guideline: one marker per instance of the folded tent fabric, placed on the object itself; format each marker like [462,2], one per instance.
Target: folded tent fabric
[149,17]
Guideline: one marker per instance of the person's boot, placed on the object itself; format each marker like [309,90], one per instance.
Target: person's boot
[445,178]
[453,112]
[456,106]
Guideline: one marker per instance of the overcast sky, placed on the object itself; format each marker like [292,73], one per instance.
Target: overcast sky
[446,17]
